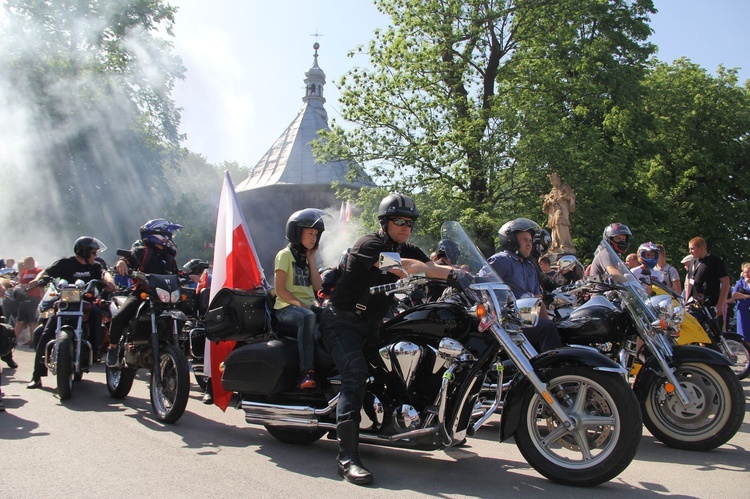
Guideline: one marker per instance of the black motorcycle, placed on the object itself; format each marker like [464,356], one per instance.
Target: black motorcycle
[70,354]
[151,341]
[572,415]
[689,397]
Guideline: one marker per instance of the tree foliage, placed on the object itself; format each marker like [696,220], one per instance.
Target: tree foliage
[473,102]
[89,84]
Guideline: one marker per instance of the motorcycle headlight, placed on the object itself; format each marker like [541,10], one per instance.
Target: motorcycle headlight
[70,295]
[529,309]
[175,296]
[678,315]
[664,307]
[163,295]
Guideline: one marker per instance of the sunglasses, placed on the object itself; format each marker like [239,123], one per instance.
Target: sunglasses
[400,222]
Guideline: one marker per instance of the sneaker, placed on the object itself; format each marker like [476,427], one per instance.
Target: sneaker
[35,383]
[112,360]
[308,381]
[207,399]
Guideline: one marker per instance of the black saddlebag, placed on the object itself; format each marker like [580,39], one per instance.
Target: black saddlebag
[264,368]
[239,315]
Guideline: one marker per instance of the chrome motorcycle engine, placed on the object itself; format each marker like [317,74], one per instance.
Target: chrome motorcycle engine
[403,358]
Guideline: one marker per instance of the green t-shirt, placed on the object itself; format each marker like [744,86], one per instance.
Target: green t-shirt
[297,279]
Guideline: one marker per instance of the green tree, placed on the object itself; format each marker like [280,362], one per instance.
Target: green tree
[91,82]
[473,102]
[697,171]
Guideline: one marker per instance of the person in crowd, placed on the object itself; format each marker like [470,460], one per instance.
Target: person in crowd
[353,316]
[28,310]
[447,253]
[546,267]
[618,236]
[648,256]
[297,282]
[570,270]
[82,265]
[153,253]
[686,262]
[707,278]
[741,295]
[631,261]
[670,275]
[516,268]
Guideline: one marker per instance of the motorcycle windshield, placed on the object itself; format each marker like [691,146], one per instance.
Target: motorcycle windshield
[616,270]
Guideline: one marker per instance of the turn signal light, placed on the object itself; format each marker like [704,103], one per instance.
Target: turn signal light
[144,295]
[669,387]
[183,297]
[481,310]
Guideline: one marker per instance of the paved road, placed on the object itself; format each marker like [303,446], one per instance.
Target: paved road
[94,446]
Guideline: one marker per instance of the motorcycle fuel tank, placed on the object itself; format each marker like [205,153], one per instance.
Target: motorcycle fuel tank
[437,320]
[595,322]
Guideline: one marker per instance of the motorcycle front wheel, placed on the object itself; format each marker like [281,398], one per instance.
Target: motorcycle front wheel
[713,416]
[64,367]
[169,397]
[607,433]
[120,381]
[739,353]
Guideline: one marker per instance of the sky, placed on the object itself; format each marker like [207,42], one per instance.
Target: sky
[246,60]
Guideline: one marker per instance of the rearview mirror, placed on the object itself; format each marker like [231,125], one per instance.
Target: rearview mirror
[390,261]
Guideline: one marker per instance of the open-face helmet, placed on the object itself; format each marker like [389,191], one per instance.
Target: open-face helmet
[396,205]
[618,229]
[645,248]
[508,233]
[309,218]
[86,245]
[159,231]
[448,248]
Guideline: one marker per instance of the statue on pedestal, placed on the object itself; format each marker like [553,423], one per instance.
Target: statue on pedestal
[558,205]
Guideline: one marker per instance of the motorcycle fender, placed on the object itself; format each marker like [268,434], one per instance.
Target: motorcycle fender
[175,314]
[588,357]
[682,355]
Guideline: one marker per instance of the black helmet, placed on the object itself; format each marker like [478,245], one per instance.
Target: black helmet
[618,229]
[507,233]
[396,205]
[541,242]
[85,245]
[309,218]
[450,249]
[196,266]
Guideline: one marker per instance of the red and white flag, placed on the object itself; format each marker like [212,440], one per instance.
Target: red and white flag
[236,266]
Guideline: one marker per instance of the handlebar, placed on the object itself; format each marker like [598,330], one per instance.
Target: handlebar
[384,288]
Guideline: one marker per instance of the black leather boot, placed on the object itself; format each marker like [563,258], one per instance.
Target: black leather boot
[350,466]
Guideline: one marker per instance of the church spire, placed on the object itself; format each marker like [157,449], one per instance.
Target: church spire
[315,79]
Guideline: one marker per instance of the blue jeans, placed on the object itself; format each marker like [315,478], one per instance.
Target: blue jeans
[345,337]
[304,320]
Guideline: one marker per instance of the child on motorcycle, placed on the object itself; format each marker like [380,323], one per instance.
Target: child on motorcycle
[297,281]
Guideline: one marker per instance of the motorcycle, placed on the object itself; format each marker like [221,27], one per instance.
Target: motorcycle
[70,354]
[572,415]
[151,341]
[689,397]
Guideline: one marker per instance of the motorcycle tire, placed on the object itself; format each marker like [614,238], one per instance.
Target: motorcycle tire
[739,353]
[120,381]
[64,367]
[713,417]
[169,398]
[603,443]
[295,436]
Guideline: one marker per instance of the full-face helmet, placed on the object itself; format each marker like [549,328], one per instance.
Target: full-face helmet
[618,229]
[645,248]
[160,231]
[196,266]
[541,242]
[508,233]
[309,218]
[448,248]
[86,245]
[396,205]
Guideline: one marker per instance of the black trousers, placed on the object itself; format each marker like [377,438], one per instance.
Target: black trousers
[122,318]
[544,336]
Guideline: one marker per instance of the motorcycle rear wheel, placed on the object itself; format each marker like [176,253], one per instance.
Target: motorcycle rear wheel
[64,368]
[169,398]
[715,414]
[739,353]
[608,428]
[295,436]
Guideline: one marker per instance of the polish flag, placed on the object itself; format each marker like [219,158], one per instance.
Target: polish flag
[236,266]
